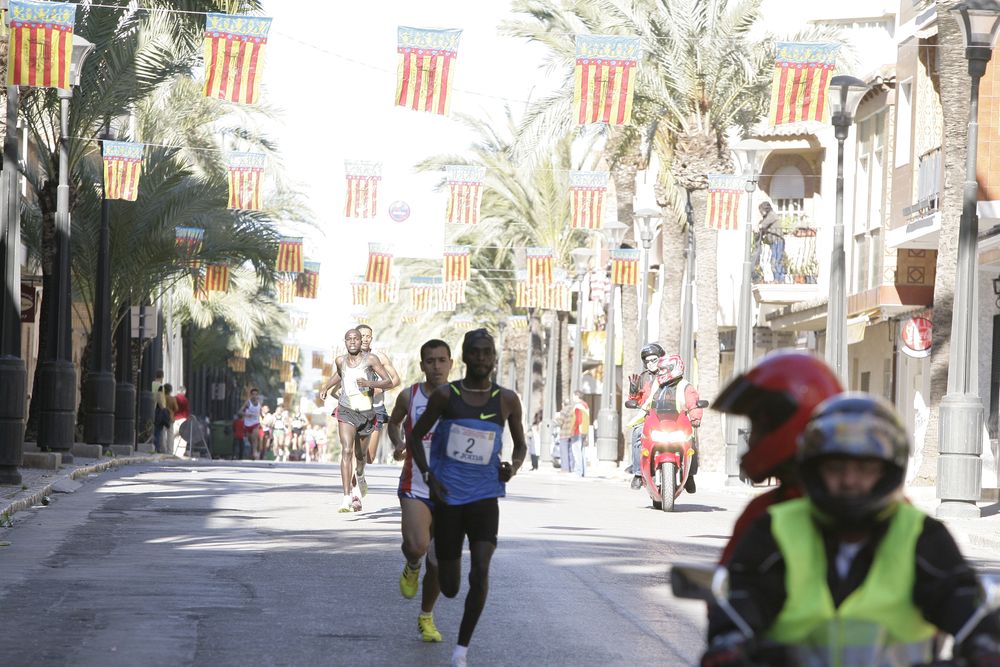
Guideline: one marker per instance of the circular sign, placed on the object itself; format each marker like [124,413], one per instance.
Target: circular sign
[916,336]
[399,211]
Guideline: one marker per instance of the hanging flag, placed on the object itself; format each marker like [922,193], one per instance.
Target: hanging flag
[122,166]
[586,198]
[426,68]
[290,353]
[243,352]
[299,321]
[246,177]
[286,371]
[379,263]
[238,365]
[724,194]
[234,56]
[558,296]
[189,241]
[216,278]
[359,292]
[518,321]
[40,43]
[327,369]
[604,78]
[456,263]
[450,295]
[410,318]
[423,293]
[289,255]
[286,288]
[525,294]
[362,188]
[802,73]
[540,266]
[307,284]
[318,361]
[625,266]
[387,292]
[274,364]
[465,193]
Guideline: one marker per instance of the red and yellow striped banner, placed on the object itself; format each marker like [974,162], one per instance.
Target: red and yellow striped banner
[452,295]
[216,278]
[189,241]
[518,322]
[286,288]
[586,199]
[410,318]
[237,364]
[525,294]
[558,296]
[362,188]
[604,78]
[725,191]
[359,292]
[290,353]
[234,56]
[379,263]
[625,266]
[122,167]
[246,179]
[40,43]
[426,68]
[465,193]
[307,283]
[387,292]
[424,292]
[802,73]
[540,265]
[456,263]
[286,372]
[274,364]
[318,360]
[289,255]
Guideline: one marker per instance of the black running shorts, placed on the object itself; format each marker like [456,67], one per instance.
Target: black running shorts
[479,520]
[362,420]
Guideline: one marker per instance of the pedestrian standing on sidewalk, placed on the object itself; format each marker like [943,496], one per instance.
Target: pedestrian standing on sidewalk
[564,421]
[239,437]
[579,432]
[465,475]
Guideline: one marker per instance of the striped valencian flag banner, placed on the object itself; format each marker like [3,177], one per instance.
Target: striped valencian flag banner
[625,266]
[238,365]
[234,56]
[456,263]
[539,266]
[40,43]
[724,194]
[274,364]
[216,278]
[465,193]
[559,296]
[286,288]
[246,179]
[525,295]
[426,68]
[423,293]
[188,241]
[286,372]
[586,198]
[299,321]
[387,292]
[453,292]
[243,352]
[410,318]
[518,322]
[289,255]
[802,73]
[379,263]
[122,167]
[290,353]
[362,188]
[307,282]
[604,78]
[359,292]
[318,361]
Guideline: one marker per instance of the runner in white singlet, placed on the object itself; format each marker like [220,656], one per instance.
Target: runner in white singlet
[414,496]
[377,450]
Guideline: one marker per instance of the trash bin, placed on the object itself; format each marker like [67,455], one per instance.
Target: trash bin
[222,440]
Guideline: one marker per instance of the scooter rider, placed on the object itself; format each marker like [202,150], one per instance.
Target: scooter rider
[851,554]
[673,393]
[778,395]
[640,385]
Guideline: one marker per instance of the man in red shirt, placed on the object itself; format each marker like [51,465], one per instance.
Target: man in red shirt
[239,437]
[581,428]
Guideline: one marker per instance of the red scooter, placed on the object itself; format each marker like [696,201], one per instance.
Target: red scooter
[667,447]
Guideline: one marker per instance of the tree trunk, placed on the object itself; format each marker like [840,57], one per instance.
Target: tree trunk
[47,205]
[955,89]
[710,436]
[565,365]
[624,175]
[673,245]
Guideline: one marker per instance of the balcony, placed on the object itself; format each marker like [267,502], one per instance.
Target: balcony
[785,266]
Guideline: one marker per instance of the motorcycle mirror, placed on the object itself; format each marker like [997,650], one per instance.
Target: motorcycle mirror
[692,582]
[702,403]
[631,404]
[991,602]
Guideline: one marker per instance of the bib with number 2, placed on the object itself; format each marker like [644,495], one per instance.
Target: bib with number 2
[470,445]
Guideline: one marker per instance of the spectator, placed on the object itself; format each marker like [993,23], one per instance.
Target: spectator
[579,432]
[181,414]
[564,421]
[239,437]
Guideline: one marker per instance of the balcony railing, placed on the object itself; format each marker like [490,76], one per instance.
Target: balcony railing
[785,251]
[928,186]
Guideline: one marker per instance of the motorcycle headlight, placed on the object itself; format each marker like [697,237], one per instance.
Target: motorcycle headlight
[669,437]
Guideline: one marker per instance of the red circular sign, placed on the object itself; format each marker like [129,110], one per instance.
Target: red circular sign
[916,334]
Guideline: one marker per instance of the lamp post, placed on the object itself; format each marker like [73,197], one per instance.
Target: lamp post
[56,374]
[99,422]
[750,154]
[501,328]
[581,263]
[607,418]
[844,96]
[687,295]
[529,371]
[649,220]
[959,478]
[548,389]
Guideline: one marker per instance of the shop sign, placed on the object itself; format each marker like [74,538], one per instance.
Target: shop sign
[915,335]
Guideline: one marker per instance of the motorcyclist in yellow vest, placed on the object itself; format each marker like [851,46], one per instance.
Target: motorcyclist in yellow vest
[851,574]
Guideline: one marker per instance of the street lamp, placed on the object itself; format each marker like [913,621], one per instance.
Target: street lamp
[581,263]
[843,97]
[687,289]
[56,373]
[750,154]
[959,474]
[501,328]
[607,418]
[649,220]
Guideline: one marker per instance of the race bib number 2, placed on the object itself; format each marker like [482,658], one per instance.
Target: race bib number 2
[470,445]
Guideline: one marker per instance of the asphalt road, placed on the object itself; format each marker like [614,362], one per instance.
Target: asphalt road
[250,564]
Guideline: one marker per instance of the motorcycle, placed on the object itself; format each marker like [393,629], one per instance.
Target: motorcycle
[667,448]
[711,584]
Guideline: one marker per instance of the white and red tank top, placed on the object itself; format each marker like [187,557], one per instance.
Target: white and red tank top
[410,480]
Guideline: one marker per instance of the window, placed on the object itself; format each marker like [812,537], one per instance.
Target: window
[904,123]
[869,194]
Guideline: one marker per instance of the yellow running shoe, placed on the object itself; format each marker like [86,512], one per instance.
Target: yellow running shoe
[409,581]
[428,632]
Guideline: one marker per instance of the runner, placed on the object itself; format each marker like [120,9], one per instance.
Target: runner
[355,412]
[465,475]
[414,496]
[251,419]
[379,397]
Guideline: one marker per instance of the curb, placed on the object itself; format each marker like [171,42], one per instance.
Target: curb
[35,498]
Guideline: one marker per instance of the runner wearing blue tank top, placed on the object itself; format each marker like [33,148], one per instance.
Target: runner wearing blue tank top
[465,475]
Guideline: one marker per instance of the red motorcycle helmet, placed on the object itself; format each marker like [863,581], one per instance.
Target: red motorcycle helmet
[778,395]
[670,369]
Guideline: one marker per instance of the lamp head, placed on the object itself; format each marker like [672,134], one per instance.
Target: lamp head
[750,155]
[81,49]
[614,231]
[844,97]
[979,21]
[649,220]
[581,259]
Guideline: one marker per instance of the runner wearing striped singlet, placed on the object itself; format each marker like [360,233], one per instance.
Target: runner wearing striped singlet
[414,496]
